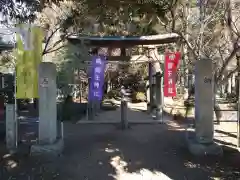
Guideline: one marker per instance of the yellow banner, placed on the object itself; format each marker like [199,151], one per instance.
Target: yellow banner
[27,62]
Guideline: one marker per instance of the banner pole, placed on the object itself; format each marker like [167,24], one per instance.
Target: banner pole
[15,91]
[15,107]
[15,94]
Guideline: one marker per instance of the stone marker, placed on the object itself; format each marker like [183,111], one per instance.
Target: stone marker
[204,101]
[124,120]
[159,105]
[11,128]
[48,129]
[90,111]
[47,103]
[203,142]
[150,89]
[124,107]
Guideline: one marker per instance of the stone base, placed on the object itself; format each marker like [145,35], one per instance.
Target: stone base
[48,149]
[120,126]
[13,151]
[199,149]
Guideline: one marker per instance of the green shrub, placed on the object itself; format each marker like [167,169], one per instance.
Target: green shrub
[113,94]
[139,97]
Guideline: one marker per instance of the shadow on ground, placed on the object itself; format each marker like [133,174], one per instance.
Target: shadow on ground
[179,119]
[103,152]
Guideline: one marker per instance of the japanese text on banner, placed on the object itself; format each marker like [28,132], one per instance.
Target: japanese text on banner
[170,69]
[27,61]
[97,78]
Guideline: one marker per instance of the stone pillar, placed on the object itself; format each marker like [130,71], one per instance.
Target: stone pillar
[47,103]
[159,108]
[204,97]
[90,111]
[50,139]
[150,89]
[124,121]
[11,128]
[204,101]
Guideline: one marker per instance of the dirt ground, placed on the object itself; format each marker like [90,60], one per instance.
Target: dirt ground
[105,152]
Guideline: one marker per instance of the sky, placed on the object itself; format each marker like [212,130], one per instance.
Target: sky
[6,35]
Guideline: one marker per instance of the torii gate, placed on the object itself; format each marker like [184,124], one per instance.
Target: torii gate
[126,42]
[203,142]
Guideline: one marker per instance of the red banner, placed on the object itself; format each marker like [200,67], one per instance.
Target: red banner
[170,72]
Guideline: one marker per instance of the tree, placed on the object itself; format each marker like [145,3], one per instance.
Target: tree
[127,17]
[52,19]
[113,17]
[117,17]
[6,58]
[23,10]
[213,36]
[216,36]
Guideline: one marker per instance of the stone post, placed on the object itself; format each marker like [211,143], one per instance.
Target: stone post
[11,128]
[159,109]
[90,110]
[150,78]
[204,102]
[48,127]
[47,103]
[124,121]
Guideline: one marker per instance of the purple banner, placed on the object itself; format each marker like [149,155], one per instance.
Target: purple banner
[98,65]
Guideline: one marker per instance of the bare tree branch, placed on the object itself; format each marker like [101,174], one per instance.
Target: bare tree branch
[224,80]
[49,39]
[187,43]
[53,50]
[227,61]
